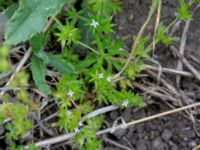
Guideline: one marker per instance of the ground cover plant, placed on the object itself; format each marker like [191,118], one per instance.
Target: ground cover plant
[66,53]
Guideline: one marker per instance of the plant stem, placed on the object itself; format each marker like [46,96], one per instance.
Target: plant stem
[57,21]
[88,47]
[65,137]
[153,8]
[99,44]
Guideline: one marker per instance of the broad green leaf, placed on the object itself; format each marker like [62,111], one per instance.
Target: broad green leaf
[38,69]
[38,42]
[30,19]
[11,10]
[59,64]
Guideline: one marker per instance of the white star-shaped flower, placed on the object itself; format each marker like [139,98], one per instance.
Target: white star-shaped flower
[94,23]
[70,93]
[125,103]
[69,113]
[100,75]
[175,13]
[80,124]
[76,130]
[109,79]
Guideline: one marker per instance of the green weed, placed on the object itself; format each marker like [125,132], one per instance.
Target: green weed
[85,81]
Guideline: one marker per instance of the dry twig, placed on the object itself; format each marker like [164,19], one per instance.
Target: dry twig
[182,49]
[153,7]
[169,70]
[65,137]
[25,58]
[186,63]
[116,144]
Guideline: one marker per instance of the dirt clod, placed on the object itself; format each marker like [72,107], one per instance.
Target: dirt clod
[166,135]
[157,144]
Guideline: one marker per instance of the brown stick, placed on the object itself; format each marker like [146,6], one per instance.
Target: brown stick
[20,65]
[169,70]
[64,137]
[149,118]
[116,144]
[182,49]
[141,31]
[186,63]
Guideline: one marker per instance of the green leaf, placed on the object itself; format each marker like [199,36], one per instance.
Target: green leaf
[11,10]
[196,1]
[38,42]
[30,19]
[87,138]
[61,65]
[140,49]
[68,33]
[162,35]
[184,12]
[106,7]
[69,121]
[104,24]
[32,146]
[38,69]
[88,61]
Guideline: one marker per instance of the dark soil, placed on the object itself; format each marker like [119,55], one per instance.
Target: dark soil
[173,132]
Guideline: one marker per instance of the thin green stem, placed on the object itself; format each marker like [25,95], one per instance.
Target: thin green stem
[171,24]
[166,29]
[57,21]
[152,10]
[99,44]
[88,47]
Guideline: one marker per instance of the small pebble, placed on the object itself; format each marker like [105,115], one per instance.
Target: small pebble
[157,144]
[166,135]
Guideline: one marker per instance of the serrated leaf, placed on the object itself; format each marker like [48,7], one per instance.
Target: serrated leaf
[38,69]
[30,19]
[59,64]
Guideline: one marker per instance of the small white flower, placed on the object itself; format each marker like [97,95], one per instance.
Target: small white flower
[100,75]
[76,130]
[70,93]
[109,79]
[175,13]
[70,34]
[125,103]
[69,113]
[94,23]
[80,124]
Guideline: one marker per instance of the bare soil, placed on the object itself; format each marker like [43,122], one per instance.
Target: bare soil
[173,132]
